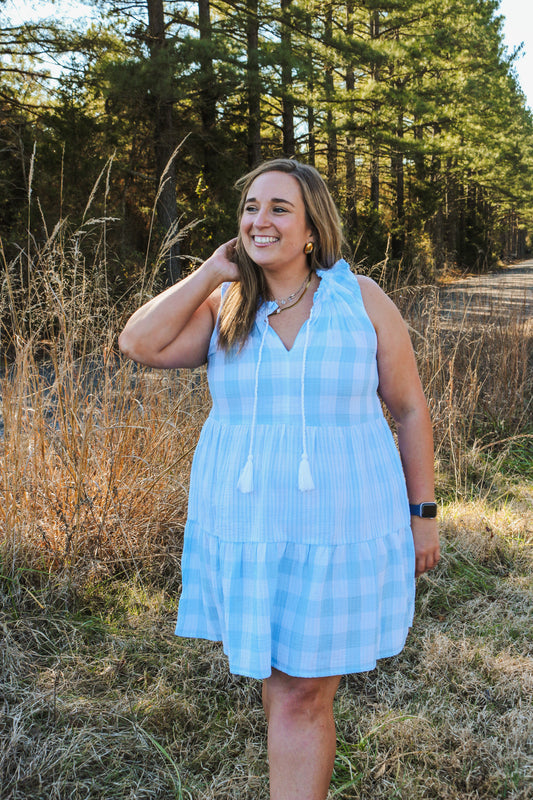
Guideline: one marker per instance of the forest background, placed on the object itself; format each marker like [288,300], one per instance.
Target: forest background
[116,175]
[410,108]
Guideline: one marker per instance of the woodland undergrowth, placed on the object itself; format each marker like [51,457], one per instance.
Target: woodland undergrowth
[98,698]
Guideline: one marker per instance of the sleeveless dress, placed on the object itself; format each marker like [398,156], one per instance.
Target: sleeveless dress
[309,572]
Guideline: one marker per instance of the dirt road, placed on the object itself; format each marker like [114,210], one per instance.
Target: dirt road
[504,294]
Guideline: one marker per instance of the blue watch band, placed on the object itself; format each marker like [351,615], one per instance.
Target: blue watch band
[426,510]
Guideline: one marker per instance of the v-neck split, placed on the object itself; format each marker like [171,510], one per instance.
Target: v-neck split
[269,310]
[317,527]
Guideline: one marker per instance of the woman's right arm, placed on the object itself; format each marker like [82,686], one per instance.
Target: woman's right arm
[174,329]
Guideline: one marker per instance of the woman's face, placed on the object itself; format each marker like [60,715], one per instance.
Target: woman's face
[274,228]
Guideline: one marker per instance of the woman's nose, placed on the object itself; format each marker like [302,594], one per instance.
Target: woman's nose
[261,219]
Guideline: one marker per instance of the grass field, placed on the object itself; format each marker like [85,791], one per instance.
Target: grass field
[101,701]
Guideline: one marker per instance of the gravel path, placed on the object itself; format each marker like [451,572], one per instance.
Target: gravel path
[496,295]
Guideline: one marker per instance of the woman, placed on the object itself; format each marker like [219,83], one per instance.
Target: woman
[301,547]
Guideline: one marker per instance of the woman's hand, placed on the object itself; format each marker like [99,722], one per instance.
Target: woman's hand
[426,541]
[223,262]
[174,329]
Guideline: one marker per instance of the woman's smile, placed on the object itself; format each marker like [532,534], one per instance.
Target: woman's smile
[262,241]
[274,225]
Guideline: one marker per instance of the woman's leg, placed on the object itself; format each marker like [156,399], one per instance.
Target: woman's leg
[301,735]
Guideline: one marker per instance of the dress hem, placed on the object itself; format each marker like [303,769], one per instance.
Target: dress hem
[287,670]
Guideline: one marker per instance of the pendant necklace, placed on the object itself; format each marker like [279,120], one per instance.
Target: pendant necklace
[282,303]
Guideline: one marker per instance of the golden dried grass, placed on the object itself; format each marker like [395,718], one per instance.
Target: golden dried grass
[98,698]
[94,463]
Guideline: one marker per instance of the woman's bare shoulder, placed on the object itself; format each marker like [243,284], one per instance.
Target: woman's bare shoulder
[377,303]
[369,288]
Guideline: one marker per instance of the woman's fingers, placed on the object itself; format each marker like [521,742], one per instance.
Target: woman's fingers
[426,541]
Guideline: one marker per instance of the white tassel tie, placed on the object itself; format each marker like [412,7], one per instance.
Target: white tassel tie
[305,479]
[245,484]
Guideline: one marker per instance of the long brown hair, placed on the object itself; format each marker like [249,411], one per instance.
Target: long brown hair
[244,297]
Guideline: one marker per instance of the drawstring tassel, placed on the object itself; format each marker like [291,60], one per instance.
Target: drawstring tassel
[305,479]
[245,484]
[246,481]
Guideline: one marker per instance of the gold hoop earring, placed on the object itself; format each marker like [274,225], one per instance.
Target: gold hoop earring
[309,247]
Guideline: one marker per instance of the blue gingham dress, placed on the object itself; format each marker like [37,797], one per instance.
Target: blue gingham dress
[313,582]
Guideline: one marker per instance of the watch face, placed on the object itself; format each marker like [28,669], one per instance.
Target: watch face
[428,510]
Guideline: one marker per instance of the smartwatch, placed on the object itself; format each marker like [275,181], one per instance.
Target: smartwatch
[426,510]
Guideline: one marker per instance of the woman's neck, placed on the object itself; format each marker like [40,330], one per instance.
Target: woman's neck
[282,286]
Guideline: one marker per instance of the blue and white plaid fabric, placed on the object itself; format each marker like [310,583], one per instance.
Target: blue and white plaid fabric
[316,582]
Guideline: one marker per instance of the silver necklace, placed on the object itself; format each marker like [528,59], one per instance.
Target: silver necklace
[283,301]
[286,308]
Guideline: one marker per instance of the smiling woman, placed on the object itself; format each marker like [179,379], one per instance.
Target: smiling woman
[308,220]
[301,548]
[274,229]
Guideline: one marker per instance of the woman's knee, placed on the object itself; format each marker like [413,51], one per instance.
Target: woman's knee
[294,697]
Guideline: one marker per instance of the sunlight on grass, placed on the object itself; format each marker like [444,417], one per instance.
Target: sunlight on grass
[101,701]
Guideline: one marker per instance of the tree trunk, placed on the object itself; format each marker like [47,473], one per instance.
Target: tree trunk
[253,84]
[398,238]
[208,108]
[450,217]
[351,188]
[374,144]
[331,130]
[286,81]
[311,136]
[164,138]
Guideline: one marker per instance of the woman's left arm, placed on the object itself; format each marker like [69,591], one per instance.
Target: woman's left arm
[401,391]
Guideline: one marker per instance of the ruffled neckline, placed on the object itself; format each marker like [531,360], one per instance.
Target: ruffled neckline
[327,277]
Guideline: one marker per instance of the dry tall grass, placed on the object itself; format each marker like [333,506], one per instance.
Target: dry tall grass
[477,373]
[98,699]
[94,452]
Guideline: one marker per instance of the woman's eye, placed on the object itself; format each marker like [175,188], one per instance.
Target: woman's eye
[279,210]
[250,209]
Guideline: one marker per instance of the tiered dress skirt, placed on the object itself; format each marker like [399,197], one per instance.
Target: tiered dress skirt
[317,582]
